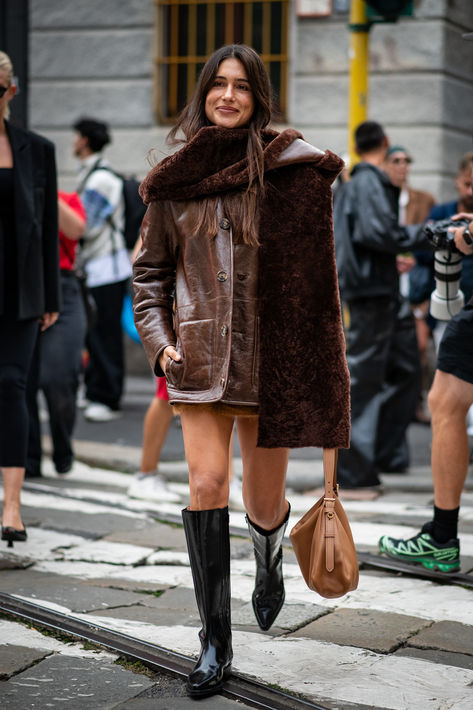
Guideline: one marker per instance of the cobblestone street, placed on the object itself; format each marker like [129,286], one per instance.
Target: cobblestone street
[396,642]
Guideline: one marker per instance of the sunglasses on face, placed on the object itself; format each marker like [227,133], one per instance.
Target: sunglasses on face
[397,161]
[3,90]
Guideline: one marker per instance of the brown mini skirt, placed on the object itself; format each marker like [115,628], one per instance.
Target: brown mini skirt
[221,408]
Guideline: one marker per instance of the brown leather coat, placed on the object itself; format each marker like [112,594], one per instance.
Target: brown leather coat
[254,325]
[215,287]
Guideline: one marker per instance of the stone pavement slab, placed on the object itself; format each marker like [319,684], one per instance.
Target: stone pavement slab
[445,658]
[446,636]
[115,553]
[128,584]
[89,526]
[148,615]
[363,628]
[157,535]
[73,683]
[290,618]
[217,702]
[15,659]
[68,592]
[10,561]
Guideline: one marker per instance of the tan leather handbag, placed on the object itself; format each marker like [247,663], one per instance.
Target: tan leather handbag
[323,542]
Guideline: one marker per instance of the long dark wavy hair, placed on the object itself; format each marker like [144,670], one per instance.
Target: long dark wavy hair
[242,206]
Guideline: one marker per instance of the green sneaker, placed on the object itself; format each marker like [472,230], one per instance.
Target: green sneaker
[423,549]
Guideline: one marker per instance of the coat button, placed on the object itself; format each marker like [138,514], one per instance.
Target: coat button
[225,223]
[224,330]
[222,276]
[242,277]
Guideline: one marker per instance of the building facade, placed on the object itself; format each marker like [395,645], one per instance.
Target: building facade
[133,62]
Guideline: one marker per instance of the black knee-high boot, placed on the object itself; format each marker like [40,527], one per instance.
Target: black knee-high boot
[208,544]
[268,596]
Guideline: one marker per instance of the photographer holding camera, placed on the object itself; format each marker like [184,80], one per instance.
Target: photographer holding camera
[437,545]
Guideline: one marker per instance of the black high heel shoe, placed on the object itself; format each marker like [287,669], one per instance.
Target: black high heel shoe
[12,535]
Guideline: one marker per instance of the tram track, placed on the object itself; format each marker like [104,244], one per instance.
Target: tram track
[248,692]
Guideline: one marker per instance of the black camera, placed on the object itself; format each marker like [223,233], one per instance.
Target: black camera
[438,235]
[447,300]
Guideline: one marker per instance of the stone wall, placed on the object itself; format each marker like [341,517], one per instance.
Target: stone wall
[421,86]
[96,58]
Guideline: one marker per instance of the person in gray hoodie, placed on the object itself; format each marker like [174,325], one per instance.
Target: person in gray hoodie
[382,349]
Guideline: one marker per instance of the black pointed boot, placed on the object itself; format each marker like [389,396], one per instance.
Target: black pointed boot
[208,544]
[268,596]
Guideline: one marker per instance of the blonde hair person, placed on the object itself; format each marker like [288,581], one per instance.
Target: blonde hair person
[29,285]
[7,68]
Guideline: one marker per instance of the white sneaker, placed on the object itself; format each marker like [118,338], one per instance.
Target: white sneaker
[235,498]
[81,400]
[98,412]
[151,486]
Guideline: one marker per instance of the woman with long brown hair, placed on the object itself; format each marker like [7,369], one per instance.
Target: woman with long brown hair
[236,301]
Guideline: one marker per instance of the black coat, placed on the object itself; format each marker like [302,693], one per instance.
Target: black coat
[368,235]
[36,222]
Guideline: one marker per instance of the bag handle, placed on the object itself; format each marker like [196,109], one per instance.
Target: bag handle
[330,472]
[331,494]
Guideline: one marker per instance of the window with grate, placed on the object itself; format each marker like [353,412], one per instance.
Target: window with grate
[190,30]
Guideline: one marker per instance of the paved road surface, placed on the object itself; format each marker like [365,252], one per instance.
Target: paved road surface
[395,643]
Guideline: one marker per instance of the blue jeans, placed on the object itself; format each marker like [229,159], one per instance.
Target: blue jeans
[55,370]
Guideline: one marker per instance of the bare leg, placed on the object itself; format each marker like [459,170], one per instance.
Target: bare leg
[206,442]
[264,495]
[449,401]
[231,470]
[12,483]
[155,428]
[264,477]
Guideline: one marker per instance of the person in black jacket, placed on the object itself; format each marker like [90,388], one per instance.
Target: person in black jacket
[29,285]
[382,350]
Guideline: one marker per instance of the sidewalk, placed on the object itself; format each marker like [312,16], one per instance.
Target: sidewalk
[395,643]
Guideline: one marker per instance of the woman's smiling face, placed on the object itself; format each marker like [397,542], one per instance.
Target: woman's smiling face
[230,102]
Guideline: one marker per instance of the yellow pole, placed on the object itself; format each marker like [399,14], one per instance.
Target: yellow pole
[359,69]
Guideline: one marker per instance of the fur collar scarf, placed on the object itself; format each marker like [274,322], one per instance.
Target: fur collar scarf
[303,375]
[214,161]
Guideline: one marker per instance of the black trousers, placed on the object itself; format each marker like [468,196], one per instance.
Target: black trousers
[17,340]
[105,371]
[385,370]
[55,370]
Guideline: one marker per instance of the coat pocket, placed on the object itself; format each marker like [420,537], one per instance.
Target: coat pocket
[196,343]
[174,372]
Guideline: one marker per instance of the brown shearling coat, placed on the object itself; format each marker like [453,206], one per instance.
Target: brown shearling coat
[272,313]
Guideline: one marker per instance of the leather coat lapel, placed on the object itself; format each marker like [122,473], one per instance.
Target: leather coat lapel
[24,187]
